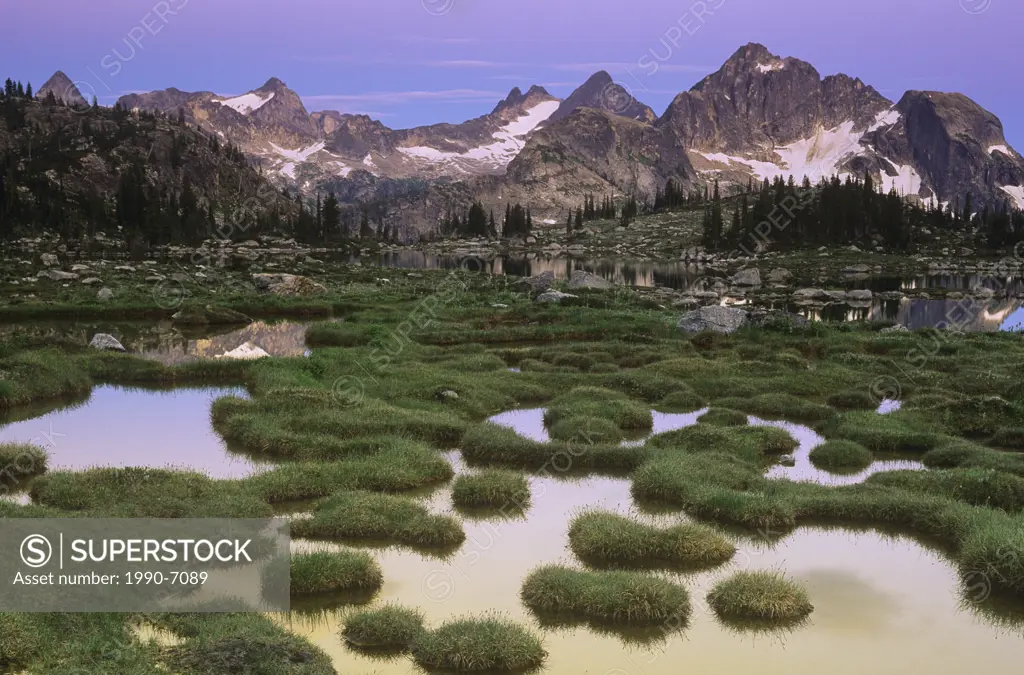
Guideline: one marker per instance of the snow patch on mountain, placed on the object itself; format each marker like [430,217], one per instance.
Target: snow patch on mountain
[769,67]
[886,118]
[906,181]
[246,103]
[508,141]
[1016,192]
[288,169]
[300,155]
[1000,148]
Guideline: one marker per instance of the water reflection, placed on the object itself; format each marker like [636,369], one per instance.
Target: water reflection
[885,604]
[171,344]
[119,427]
[529,423]
[1003,312]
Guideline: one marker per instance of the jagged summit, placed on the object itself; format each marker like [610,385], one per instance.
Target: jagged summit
[63,89]
[601,92]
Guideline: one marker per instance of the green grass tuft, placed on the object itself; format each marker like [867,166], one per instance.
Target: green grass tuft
[581,429]
[608,540]
[617,597]
[600,403]
[391,628]
[760,596]
[368,516]
[328,571]
[493,489]
[841,457]
[479,644]
[723,417]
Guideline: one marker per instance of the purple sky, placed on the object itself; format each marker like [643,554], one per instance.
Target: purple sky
[412,62]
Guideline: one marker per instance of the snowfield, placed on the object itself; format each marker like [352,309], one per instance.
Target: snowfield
[246,103]
[508,141]
[1016,192]
[300,155]
[821,155]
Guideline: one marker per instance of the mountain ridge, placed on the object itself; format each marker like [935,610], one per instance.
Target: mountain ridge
[757,116]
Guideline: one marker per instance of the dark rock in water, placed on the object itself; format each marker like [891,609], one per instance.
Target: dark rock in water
[582,279]
[209,315]
[106,342]
[538,283]
[765,317]
[714,318]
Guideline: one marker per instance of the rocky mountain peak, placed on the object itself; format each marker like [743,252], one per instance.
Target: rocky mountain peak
[516,99]
[603,93]
[273,84]
[63,89]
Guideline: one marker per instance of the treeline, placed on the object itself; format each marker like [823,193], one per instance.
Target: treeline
[478,222]
[838,212]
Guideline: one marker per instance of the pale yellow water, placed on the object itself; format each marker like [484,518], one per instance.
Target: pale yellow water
[882,605]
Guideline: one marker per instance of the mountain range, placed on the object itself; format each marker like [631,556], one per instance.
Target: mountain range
[758,116]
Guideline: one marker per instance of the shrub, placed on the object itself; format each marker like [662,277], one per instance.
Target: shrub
[19,461]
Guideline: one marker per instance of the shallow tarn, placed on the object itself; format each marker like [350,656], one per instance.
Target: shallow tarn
[882,603]
[120,426]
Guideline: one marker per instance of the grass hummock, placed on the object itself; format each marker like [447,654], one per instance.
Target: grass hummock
[723,417]
[359,515]
[841,457]
[19,461]
[492,489]
[583,429]
[763,595]
[605,404]
[616,597]
[329,571]
[608,540]
[479,644]
[390,628]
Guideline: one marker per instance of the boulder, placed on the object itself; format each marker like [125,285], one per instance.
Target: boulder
[49,259]
[714,318]
[538,283]
[554,296]
[835,296]
[583,279]
[809,295]
[104,294]
[57,275]
[860,295]
[747,277]
[106,342]
[91,280]
[779,276]
[287,284]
